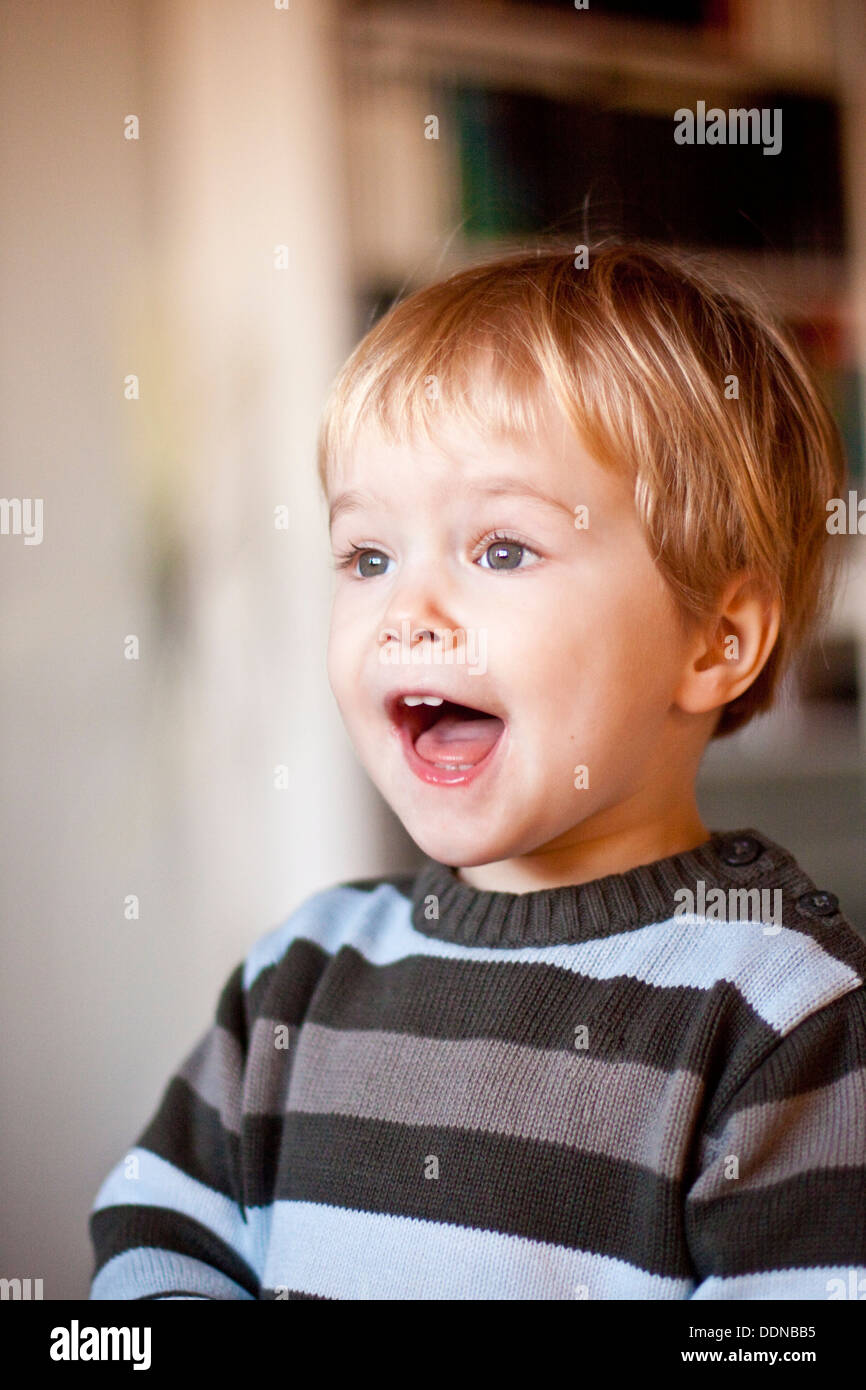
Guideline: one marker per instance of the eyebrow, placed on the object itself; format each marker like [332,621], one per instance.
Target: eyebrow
[491,487]
[349,502]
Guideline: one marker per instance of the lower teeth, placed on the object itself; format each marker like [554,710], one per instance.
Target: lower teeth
[456,767]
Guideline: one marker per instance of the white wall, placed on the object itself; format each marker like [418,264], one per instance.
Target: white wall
[155,777]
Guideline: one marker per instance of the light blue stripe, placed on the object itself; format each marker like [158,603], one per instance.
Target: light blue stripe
[784,977]
[145,1270]
[160,1184]
[328,918]
[814,1284]
[344,1254]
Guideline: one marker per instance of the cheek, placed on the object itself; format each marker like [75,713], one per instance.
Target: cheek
[615,658]
[347,665]
[637,616]
[337,657]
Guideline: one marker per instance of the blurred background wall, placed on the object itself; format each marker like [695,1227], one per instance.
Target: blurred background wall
[175,306]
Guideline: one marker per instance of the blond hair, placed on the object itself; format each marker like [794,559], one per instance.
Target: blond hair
[636,349]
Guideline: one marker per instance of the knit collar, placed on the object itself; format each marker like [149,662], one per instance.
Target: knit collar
[602,907]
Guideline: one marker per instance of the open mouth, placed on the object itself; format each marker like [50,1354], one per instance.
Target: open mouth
[447,735]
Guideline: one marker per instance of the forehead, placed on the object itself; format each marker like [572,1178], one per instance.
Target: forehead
[461,464]
[456,455]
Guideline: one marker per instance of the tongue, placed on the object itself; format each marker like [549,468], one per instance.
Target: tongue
[455,740]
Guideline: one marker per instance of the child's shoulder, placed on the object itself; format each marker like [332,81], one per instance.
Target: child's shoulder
[334,916]
[807,906]
[783,939]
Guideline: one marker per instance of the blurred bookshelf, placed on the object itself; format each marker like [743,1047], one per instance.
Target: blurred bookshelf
[556,124]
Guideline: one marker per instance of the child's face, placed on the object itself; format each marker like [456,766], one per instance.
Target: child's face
[572,642]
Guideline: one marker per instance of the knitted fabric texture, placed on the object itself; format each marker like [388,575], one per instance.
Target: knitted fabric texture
[414,1089]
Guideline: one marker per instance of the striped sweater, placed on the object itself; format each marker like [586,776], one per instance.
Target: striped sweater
[415,1089]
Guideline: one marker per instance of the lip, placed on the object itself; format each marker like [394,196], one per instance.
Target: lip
[429,772]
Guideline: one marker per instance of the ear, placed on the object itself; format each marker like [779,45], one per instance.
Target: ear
[730,649]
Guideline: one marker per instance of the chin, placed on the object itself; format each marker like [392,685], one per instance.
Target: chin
[457,851]
[452,851]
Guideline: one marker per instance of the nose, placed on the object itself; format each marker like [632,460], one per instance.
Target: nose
[414,616]
[404,634]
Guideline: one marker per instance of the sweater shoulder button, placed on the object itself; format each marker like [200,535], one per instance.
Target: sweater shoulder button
[818,903]
[740,849]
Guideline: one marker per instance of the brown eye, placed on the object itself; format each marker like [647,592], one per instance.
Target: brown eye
[375,562]
[504,555]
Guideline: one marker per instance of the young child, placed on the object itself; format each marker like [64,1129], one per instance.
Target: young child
[579,522]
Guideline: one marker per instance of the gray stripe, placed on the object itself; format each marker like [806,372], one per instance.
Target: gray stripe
[825,1128]
[214,1071]
[267,1078]
[625,1110]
